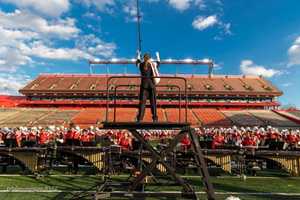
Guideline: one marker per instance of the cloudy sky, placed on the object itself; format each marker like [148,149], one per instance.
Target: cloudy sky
[243,37]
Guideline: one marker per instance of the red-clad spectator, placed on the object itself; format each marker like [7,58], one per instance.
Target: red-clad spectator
[85,138]
[274,135]
[118,136]
[91,135]
[76,137]
[185,143]
[147,135]
[291,138]
[43,137]
[126,142]
[248,141]
[2,137]
[24,135]
[18,137]
[218,140]
[69,136]
[32,138]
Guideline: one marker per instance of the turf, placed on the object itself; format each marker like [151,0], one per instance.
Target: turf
[222,184]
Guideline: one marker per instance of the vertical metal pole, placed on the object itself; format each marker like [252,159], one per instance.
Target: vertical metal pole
[91,68]
[107,99]
[138,15]
[115,102]
[210,69]
[186,101]
[179,105]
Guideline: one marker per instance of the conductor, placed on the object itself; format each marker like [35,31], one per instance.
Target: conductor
[149,73]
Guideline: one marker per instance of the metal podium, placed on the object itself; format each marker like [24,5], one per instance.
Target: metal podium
[132,190]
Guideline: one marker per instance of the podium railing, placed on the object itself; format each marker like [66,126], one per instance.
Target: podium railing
[109,90]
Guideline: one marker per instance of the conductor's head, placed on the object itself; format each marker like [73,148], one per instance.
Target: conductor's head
[147,57]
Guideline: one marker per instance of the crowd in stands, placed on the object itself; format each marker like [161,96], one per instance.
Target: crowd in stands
[255,137]
[211,138]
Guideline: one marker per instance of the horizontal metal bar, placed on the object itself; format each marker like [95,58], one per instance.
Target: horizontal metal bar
[164,62]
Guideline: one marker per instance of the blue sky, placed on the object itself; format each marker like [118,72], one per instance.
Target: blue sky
[242,37]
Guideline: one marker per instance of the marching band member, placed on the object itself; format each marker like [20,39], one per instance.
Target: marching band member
[148,70]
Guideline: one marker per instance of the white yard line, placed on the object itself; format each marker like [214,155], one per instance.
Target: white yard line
[123,175]
[36,190]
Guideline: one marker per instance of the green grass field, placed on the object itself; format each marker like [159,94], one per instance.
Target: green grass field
[253,186]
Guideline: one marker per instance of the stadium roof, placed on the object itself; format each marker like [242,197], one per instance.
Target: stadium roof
[203,85]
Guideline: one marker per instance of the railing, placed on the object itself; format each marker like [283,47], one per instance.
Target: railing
[118,86]
[108,91]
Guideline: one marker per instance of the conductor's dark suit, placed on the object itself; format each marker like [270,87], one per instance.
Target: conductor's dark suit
[147,88]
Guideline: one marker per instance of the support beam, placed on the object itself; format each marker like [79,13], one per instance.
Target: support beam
[207,62]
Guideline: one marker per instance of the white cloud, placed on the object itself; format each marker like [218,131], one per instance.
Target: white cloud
[183,5]
[180,5]
[53,8]
[39,49]
[130,9]
[288,84]
[101,5]
[11,58]
[9,37]
[95,46]
[64,28]
[10,83]
[10,55]
[226,27]
[25,36]
[248,67]
[294,53]
[200,4]
[202,23]
[84,51]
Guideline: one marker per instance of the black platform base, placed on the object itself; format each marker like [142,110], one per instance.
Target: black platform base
[158,156]
[144,125]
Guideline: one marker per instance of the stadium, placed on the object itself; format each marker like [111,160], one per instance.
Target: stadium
[88,135]
[241,129]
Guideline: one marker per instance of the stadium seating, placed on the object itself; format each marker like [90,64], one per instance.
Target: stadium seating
[212,117]
[295,113]
[160,114]
[235,83]
[14,117]
[10,101]
[259,85]
[85,84]
[66,83]
[89,117]
[123,114]
[25,117]
[6,114]
[56,117]
[101,83]
[198,84]
[47,83]
[273,119]
[243,118]
[173,115]
[36,82]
